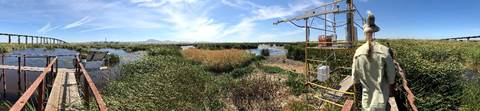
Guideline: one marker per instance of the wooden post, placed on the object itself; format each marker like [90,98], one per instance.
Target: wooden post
[86,92]
[26,39]
[51,68]
[41,96]
[3,78]
[50,81]
[9,39]
[56,66]
[18,38]
[32,40]
[19,75]
[24,74]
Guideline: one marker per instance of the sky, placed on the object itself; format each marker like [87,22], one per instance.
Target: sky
[227,20]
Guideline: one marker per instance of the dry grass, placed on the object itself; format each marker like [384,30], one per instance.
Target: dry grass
[219,60]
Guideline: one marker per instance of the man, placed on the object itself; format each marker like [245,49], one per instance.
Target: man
[373,67]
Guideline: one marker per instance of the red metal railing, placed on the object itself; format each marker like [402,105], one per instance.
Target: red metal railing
[38,84]
[80,69]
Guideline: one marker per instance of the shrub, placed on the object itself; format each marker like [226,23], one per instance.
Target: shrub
[272,69]
[171,51]
[471,96]
[161,82]
[265,52]
[296,83]
[255,93]
[112,59]
[219,60]
[240,72]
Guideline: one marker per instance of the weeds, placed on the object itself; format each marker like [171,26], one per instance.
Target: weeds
[219,60]
[271,69]
[255,93]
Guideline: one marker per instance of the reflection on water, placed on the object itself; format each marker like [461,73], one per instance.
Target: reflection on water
[273,50]
[65,60]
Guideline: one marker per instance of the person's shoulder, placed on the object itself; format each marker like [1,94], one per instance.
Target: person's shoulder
[381,48]
[363,49]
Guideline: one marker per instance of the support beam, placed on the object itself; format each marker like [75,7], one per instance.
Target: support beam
[18,39]
[350,24]
[9,39]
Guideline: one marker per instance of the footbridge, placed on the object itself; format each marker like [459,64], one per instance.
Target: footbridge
[55,88]
[29,39]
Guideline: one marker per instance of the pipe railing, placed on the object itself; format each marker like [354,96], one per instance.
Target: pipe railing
[89,86]
[38,85]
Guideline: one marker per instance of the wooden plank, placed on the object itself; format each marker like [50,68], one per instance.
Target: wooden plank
[345,84]
[335,96]
[65,94]
[348,105]
[29,68]
[393,104]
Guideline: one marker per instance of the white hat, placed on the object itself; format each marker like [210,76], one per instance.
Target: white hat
[370,26]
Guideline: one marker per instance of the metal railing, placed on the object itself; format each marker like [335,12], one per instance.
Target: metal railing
[38,85]
[89,86]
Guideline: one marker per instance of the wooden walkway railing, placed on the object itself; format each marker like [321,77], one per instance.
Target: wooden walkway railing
[39,86]
[80,69]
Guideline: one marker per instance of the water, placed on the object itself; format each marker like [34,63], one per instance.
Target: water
[274,50]
[65,60]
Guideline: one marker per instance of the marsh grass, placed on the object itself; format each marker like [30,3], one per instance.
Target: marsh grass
[219,60]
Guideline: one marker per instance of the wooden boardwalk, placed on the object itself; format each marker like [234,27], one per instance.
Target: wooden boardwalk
[65,94]
[64,91]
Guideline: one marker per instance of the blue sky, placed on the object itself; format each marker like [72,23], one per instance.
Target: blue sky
[225,20]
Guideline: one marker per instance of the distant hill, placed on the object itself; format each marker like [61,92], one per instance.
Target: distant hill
[154,41]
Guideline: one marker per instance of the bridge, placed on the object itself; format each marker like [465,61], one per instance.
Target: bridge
[64,85]
[27,39]
[462,38]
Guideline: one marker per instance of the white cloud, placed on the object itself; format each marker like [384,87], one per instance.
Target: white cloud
[180,20]
[47,28]
[78,23]
[241,4]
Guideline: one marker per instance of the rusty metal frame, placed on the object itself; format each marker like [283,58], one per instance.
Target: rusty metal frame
[89,82]
[38,83]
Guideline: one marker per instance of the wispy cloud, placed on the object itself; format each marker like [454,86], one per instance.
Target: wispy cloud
[47,28]
[78,23]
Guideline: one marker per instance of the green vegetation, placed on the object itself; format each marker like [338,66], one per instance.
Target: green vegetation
[241,72]
[255,93]
[112,59]
[271,69]
[160,82]
[174,51]
[471,96]
[296,82]
[265,52]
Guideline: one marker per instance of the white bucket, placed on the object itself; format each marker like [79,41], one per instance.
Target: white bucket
[323,73]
